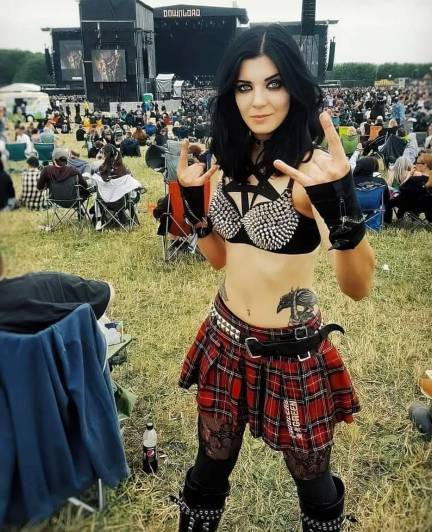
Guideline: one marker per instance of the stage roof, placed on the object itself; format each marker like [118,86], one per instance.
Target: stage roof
[186,11]
[294,23]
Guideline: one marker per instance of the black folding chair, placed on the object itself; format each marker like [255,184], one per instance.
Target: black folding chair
[67,201]
[118,214]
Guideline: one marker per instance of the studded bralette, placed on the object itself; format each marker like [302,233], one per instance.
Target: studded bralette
[273,224]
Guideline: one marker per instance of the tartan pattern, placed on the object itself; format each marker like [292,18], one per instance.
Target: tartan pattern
[31,197]
[291,404]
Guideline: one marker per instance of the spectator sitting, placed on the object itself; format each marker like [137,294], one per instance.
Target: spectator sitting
[47,135]
[129,147]
[140,136]
[80,133]
[411,149]
[7,191]
[79,164]
[114,180]
[35,137]
[22,137]
[31,197]
[92,153]
[61,171]
[32,302]
[414,186]
[366,173]
[428,140]
[161,137]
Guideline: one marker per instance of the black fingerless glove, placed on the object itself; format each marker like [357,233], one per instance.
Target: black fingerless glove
[338,205]
[193,200]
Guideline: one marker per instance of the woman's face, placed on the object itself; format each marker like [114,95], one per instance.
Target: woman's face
[261,97]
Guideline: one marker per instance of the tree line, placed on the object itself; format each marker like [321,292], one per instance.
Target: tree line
[20,66]
[369,72]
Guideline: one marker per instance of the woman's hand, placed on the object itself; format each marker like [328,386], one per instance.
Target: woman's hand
[327,168]
[193,175]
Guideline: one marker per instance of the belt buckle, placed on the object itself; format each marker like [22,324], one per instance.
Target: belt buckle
[302,334]
[302,358]
[247,347]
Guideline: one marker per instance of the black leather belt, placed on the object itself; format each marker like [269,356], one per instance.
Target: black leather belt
[301,344]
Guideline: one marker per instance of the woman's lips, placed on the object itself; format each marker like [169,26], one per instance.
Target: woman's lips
[259,118]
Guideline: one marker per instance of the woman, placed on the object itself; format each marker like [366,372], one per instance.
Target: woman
[415,184]
[257,358]
[140,136]
[115,186]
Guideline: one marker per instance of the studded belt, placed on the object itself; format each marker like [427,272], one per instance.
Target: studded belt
[298,343]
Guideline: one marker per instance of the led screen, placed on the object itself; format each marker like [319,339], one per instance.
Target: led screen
[109,66]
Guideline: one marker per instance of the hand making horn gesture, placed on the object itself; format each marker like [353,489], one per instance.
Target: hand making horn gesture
[195,174]
[330,167]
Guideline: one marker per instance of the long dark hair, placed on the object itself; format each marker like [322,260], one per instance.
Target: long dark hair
[113,166]
[294,138]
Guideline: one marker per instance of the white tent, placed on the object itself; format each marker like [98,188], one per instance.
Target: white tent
[177,90]
[21,87]
[164,83]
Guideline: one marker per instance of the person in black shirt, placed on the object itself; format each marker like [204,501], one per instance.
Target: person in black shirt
[7,191]
[80,134]
[31,302]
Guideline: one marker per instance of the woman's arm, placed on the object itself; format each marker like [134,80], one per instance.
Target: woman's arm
[354,268]
[192,178]
[213,249]
[331,193]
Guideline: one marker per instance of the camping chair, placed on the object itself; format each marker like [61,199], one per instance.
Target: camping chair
[374,132]
[118,214]
[349,143]
[178,236]
[66,200]
[44,151]
[174,146]
[58,419]
[371,199]
[17,151]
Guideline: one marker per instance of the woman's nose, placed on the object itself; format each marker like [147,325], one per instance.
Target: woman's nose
[259,98]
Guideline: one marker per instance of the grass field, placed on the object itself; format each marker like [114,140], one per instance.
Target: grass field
[385,464]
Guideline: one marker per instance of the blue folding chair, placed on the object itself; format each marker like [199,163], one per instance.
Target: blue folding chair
[17,151]
[44,151]
[59,427]
[371,199]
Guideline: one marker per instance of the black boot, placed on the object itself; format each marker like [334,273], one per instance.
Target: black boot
[327,517]
[199,511]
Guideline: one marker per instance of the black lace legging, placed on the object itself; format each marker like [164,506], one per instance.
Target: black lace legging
[219,447]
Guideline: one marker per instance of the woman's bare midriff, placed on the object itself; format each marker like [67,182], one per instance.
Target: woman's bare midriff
[268,289]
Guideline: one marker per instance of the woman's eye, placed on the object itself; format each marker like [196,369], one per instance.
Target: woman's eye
[242,87]
[275,84]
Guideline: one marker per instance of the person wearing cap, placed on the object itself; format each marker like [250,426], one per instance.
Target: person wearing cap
[60,171]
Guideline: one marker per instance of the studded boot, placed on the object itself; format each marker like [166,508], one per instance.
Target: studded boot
[329,518]
[199,512]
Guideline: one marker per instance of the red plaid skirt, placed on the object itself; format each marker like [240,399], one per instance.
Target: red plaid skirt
[291,403]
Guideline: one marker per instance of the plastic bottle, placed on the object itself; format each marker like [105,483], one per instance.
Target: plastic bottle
[150,463]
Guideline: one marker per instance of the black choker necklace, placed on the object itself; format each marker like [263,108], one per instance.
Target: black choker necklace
[259,142]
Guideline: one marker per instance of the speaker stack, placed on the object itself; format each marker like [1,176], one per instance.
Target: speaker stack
[308,17]
[330,64]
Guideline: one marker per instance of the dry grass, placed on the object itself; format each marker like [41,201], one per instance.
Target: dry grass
[385,464]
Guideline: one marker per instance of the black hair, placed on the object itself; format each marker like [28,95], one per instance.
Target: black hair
[112,166]
[366,166]
[293,141]
[33,162]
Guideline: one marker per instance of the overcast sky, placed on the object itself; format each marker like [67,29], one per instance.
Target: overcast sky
[374,31]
